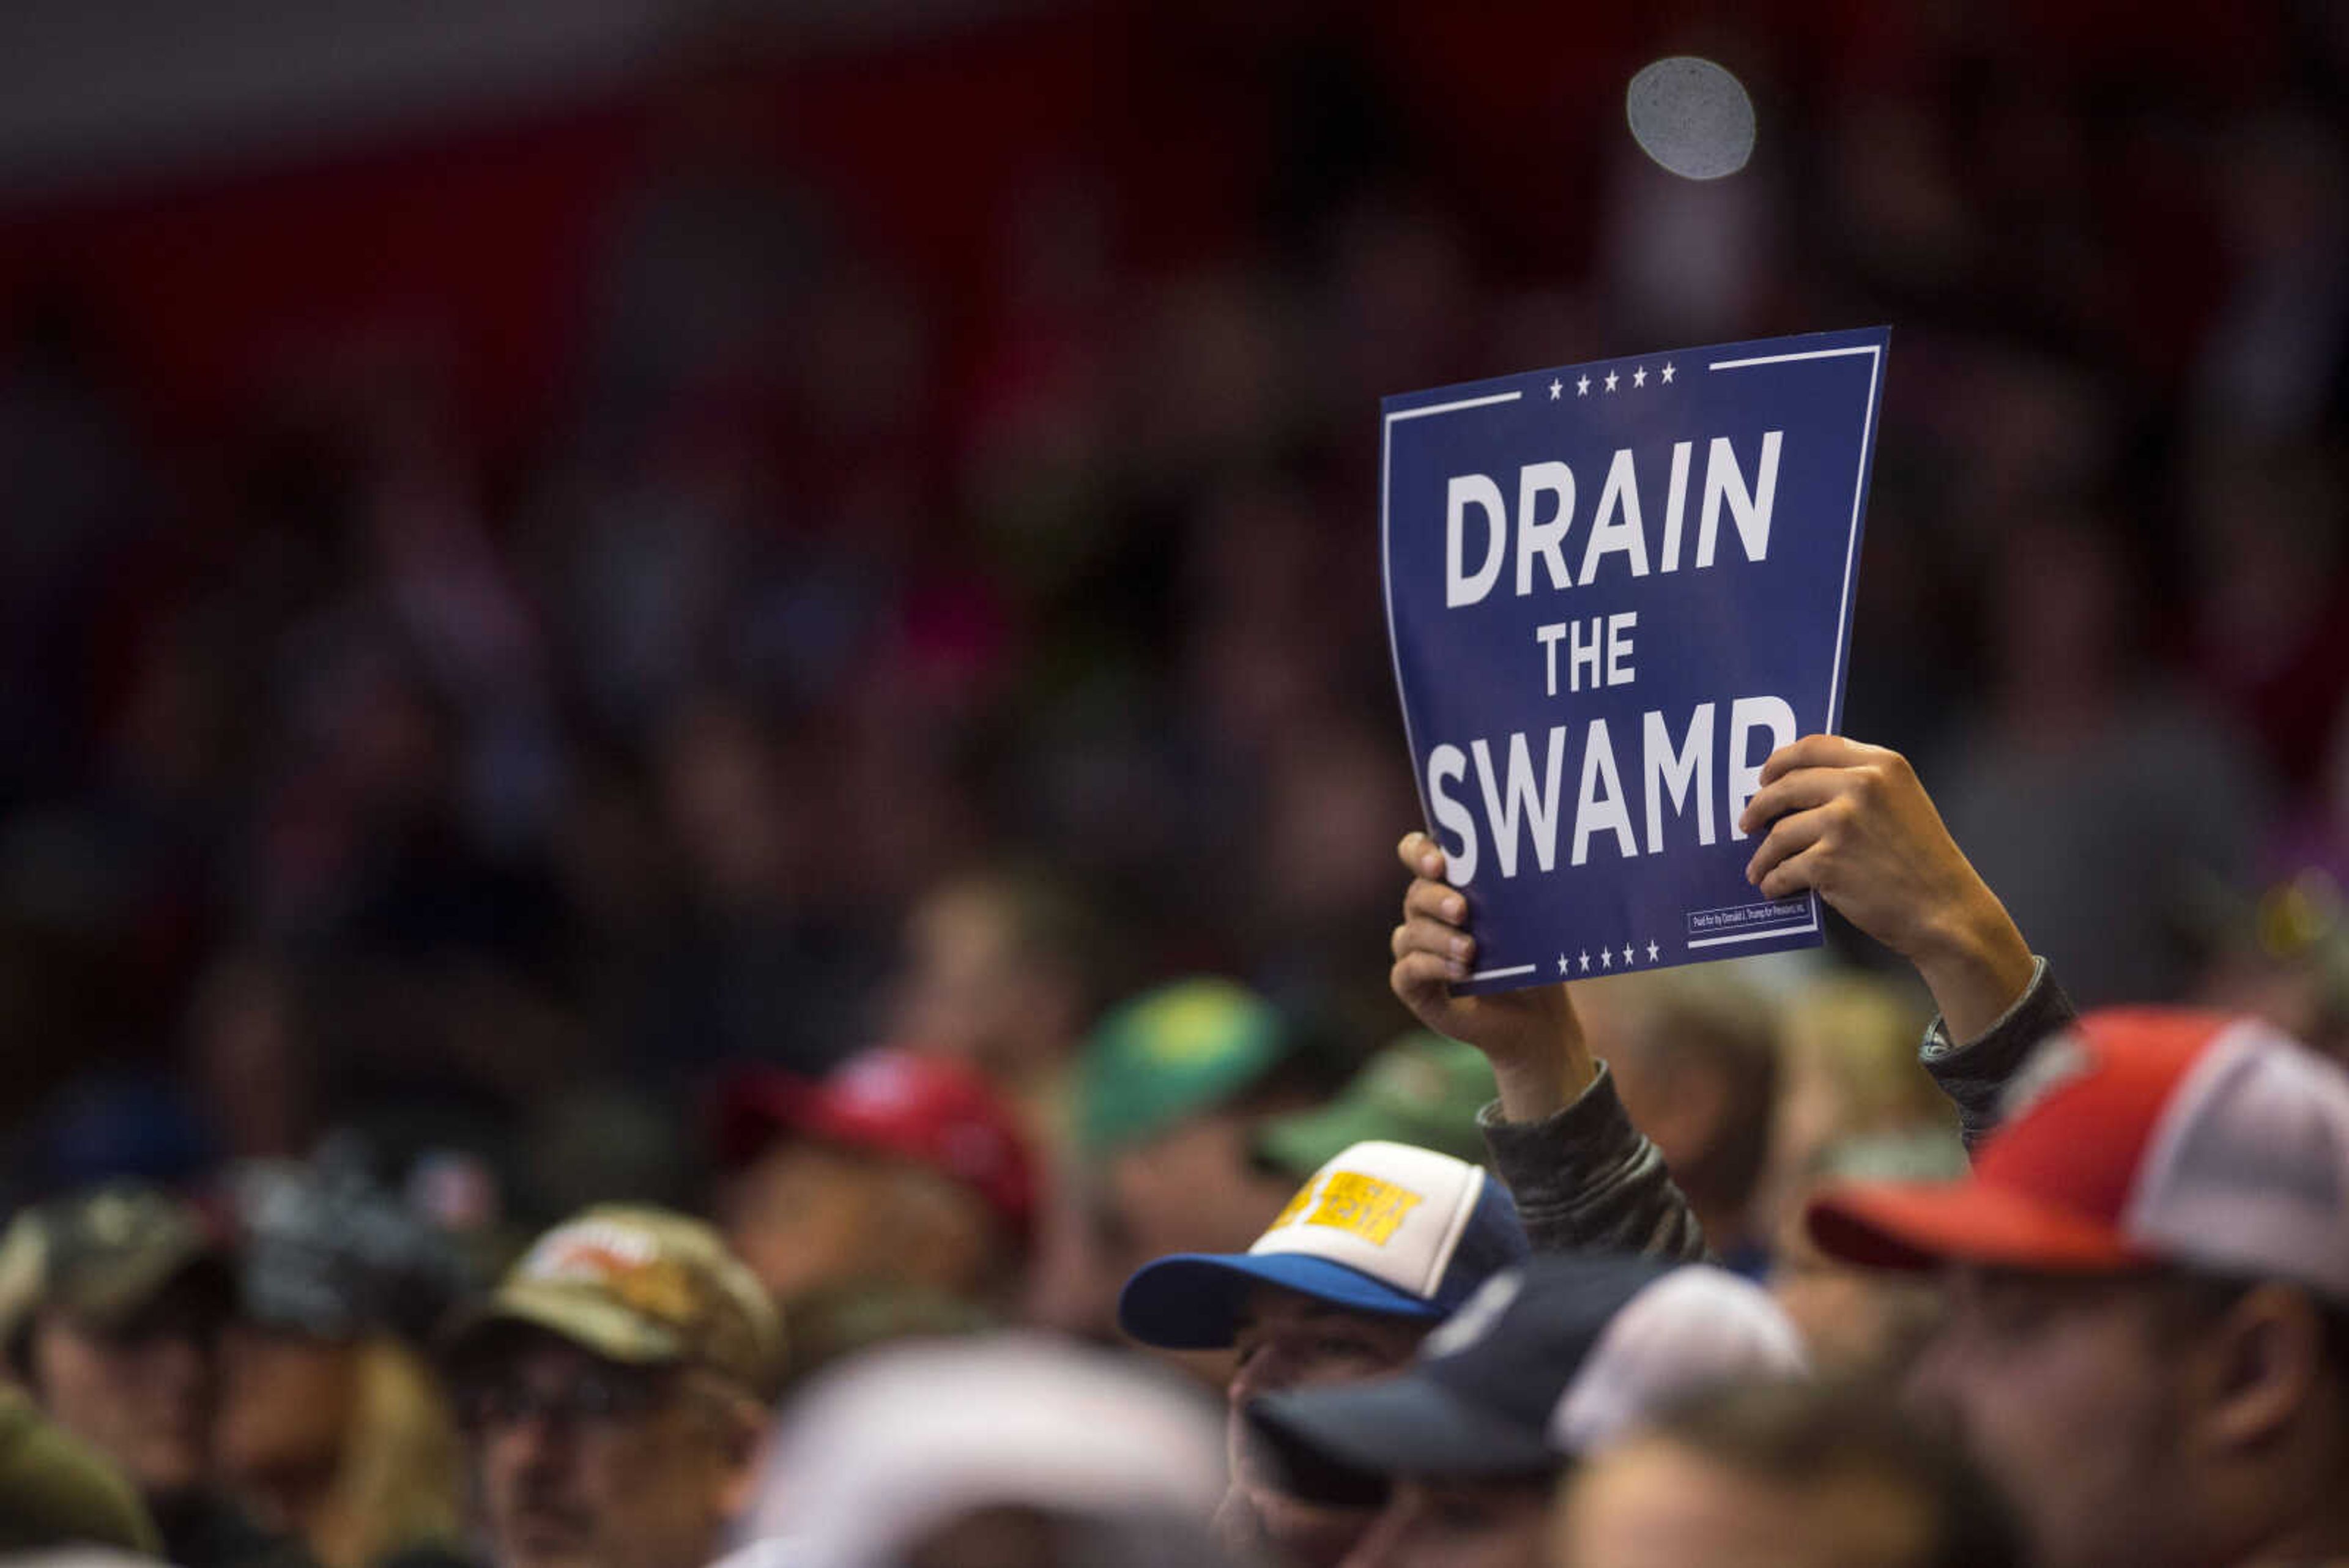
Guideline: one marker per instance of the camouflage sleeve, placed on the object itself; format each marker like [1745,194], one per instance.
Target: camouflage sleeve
[1975,1074]
[1585,1179]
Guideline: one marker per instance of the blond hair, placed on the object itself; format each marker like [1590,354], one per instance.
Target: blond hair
[399,1482]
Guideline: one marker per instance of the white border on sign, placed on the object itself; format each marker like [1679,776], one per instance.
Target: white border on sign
[1757,936]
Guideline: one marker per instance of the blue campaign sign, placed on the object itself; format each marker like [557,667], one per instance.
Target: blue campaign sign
[1613,589]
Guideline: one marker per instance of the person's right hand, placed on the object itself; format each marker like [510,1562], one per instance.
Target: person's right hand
[1531,1036]
[1851,823]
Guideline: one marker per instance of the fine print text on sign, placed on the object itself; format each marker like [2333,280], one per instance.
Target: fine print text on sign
[1613,589]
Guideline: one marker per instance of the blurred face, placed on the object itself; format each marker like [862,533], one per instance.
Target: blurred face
[807,1216]
[2066,1393]
[957,985]
[587,1464]
[1856,1323]
[285,1403]
[968,990]
[141,1392]
[1655,1504]
[1195,1188]
[1291,1341]
[801,1217]
[1458,1525]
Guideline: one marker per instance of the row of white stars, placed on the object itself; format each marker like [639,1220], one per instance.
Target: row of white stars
[1606,957]
[1639,379]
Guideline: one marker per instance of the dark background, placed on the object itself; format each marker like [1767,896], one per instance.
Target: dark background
[526,545]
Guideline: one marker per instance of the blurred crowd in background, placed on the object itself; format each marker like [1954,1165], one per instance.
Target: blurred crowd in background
[526,647]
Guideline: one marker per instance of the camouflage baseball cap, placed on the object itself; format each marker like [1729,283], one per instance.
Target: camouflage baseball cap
[103,1254]
[637,1284]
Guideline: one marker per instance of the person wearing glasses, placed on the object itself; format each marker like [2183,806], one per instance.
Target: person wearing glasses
[614,1386]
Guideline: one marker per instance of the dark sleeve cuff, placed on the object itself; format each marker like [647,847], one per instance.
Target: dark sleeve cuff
[1975,1075]
[1585,1178]
[1597,1115]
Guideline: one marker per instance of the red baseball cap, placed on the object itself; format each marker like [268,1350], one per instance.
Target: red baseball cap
[932,1110]
[2139,1136]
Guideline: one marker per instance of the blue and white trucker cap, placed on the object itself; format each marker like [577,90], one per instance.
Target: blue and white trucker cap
[1383,1229]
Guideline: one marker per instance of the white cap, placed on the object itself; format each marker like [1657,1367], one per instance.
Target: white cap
[907,1438]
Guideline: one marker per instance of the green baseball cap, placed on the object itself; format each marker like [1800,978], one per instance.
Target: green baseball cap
[57,1490]
[103,1254]
[1422,1089]
[1173,1053]
[635,1284]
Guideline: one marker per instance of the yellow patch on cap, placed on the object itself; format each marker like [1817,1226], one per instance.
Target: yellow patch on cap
[1195,1025]
[1362,1206]
[1296,1205]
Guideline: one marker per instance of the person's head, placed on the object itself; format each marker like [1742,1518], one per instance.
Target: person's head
[614,1388]
[331,1425]
[1009,1448]
[2146,1279]
[999,970]
[1550,1362]
[1848,1069]
[725,797]
[1173,1084]
[1382,1243]
[1860,1321]
[899,1169]
[349,1445]
[1694,1057]
[1783,1475]
[112,1303]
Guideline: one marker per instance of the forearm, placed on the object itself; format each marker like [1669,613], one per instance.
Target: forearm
[1977,965]
[1537,1083]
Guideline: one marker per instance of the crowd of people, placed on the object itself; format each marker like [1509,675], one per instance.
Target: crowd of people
[2120,1338]
[794,960]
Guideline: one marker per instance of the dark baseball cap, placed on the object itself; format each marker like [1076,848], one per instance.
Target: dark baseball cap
[104,1254]
[1547,1362]
[325,1252]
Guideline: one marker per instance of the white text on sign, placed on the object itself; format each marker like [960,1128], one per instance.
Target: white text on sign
[1544,517]
[1684,776]
[1585,641]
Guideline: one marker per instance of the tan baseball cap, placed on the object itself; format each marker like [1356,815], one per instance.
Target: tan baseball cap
[637,1284]
[103,1254]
